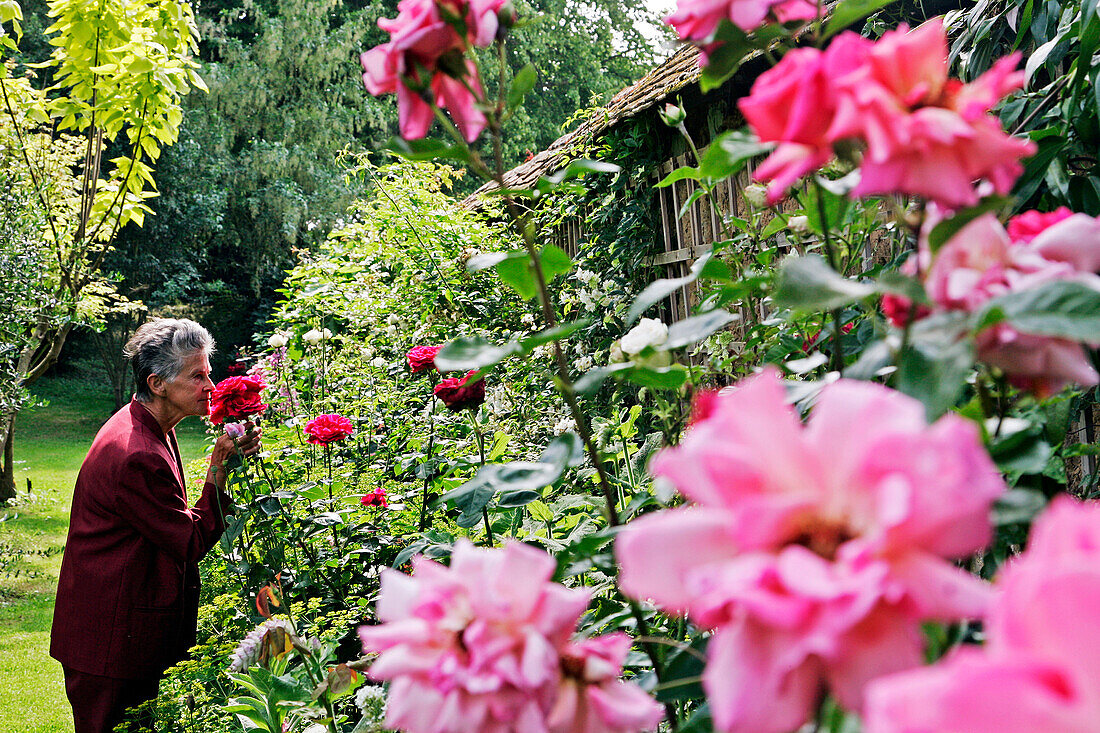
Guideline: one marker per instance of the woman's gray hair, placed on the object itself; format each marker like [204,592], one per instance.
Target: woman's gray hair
[160,347]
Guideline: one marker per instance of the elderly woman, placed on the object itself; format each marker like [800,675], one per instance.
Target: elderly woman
[128,594]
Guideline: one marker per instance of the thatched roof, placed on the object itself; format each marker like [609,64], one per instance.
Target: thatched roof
[681,69]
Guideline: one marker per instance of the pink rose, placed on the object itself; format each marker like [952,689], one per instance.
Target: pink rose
[422,358]
[326,429]
[982,262]
[1027,225]
[420,60]
[697,20]
[1040,667]
[793,104]
[458,393]
[927,134]
[485,645]
[816,551]
[592,699]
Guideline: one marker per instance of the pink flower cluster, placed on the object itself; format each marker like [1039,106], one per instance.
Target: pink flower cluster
[816,551]
[698,20]
[425,60]
[921,132]
[485,645]
[983,261]
[1040,667]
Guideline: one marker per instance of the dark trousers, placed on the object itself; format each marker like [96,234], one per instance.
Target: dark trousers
[99,703]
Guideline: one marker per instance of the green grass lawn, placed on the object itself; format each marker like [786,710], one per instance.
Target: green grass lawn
[51,442]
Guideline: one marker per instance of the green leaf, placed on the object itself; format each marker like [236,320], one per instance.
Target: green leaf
[659,289]
[683,670]
[697,328]
[522,83]
[1062,309]
[729,153]
[472,497]
[934,367]
[735,46]
[672,377]
[1017,506]
[849,11]
[808,284]
[426,149]
[554,261]
[556,333]
[680,174]
[540,512]
[516,272]
[950,227]
[473,352]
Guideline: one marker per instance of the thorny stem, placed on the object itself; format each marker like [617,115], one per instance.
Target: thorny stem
[838,354]
[428,468]
[481,454]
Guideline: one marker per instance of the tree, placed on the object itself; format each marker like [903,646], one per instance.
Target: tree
[86,145]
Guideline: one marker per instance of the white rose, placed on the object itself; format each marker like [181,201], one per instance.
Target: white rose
[583,364]
[564,425]
[648,332]
[314,336]
[799,224]
[616,355]
[379,362]
[756,195]
[277,341]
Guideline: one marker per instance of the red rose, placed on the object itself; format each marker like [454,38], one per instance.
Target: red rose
[422,358]
[457,394]
[236,398]
[375,498]
[325,429]
[896,308]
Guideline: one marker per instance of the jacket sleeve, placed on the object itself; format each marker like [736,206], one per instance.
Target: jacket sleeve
[152,500]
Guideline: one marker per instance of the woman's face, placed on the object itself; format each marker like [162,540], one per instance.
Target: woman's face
[189,393]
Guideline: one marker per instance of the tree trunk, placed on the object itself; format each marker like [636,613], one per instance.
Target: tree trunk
[7,478]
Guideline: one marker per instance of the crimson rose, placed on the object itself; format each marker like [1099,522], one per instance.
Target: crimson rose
[459,393]
[422,358]
[325,429]
[375,498]
[236,398]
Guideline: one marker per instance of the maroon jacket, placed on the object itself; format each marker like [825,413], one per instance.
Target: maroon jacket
[128,593]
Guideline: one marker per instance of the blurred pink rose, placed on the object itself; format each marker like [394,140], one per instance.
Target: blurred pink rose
[1039,671]
[814,552]
[793,104]
[484,645]
[697,20]
[927,134]
[592,699]
[921,132]
[1027,225]
[425,55]
[982,262]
